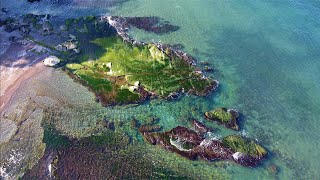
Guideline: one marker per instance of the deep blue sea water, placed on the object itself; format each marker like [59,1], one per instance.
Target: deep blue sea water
[266,55]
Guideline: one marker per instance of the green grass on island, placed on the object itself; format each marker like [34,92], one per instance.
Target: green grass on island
[126,73]
[224,116]
[221,114]
[240,144]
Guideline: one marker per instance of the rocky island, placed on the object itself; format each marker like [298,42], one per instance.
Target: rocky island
[195,143]
[131,72]
[224,116]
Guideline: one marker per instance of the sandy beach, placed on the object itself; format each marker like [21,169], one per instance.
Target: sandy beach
[10,84]
[17,65]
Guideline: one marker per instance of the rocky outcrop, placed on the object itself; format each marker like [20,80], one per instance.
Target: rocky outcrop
[70,45]
[122,26]
[194,144]
[224,116]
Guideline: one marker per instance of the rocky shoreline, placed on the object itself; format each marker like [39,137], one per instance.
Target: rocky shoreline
[193,143]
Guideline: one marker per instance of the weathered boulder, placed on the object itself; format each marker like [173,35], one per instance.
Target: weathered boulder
[224,116]
[51,61]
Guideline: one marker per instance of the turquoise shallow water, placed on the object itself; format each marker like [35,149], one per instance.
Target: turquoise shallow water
[266,56]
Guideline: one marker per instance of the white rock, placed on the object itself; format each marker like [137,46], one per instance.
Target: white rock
[110,72]
[51,61]
[109,64]
[236,155]
[70,45]
[50,169]
[61,48]
[137,83]
[132,88]
[77,51]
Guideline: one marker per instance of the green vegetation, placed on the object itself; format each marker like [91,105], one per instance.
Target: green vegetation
[220,114]
[124,95]
[224,116]
[240,144]
[122,69]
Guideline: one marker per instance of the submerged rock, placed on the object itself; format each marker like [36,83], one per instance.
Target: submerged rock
[194,145]
[200,127]
[224,116]
[150,24]
[150,128]
[273,169]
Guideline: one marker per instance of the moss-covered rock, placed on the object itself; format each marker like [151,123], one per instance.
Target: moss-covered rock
[224,116]
[247,152]
[243,145]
